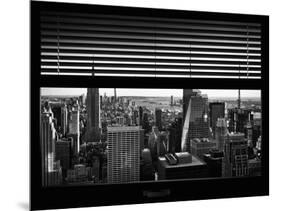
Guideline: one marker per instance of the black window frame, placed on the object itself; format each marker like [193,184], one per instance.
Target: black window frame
[100,195]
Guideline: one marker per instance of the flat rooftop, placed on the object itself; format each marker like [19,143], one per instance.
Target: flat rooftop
[195,162]
[123,128]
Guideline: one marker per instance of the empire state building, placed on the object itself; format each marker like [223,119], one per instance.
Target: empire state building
[93,115]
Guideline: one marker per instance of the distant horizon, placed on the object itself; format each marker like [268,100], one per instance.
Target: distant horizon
[212,97]
[125,92]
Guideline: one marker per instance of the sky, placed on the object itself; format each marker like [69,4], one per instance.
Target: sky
[212,93]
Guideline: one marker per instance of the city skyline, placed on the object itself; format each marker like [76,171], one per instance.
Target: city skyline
[212,93]
[112,139]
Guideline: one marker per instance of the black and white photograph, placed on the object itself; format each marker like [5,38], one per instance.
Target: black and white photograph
[140,105]
[135,105]
[102,136]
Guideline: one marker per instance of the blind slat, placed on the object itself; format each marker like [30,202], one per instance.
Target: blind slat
[152,41]
[151,72]
[78,58]
[53,44]
[184,67]
[152,54]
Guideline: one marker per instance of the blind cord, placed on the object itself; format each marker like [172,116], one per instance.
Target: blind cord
[93,66]
[155,51]
[58,45]
[247,51]
[189,60]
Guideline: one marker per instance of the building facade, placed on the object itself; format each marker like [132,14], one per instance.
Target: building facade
[217,110]
[221,133]
[123,158]
[187,93]
[236,155]
[50,174]
[158,118]
[63,153]
[183,170]
[199,147]
[74,128]
[93,115]
[196,123]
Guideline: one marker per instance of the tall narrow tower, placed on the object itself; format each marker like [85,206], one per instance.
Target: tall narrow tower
[239,99]
[187,93]
[73,127]
[221,133]
[216,111]
[47,139]
[93,118]
[158,118]
[196,123]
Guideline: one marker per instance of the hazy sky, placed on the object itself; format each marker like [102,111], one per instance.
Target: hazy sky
[150,92]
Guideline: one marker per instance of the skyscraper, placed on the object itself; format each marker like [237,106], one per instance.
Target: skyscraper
[120,120]
[93,118]
[216,111]
[158,142]
[152,143]
[64,120]
[178,127]
[175,132]
[140,116]
[82,99]
[146,125]
[158,118]
[74,128]
[238,119]
[249,133]
[221,133]
[57,111]
[214,160]
[199,147]
[187,93]
[48,135]
[63,153]
[96,168]
[236,155]
[135,117]
[196,123]
[123,158]
[146,167]
[141,139]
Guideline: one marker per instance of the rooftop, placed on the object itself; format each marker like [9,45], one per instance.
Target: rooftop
[195,162]
[123,128]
